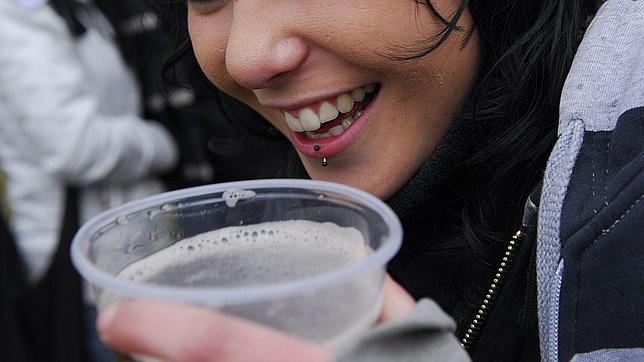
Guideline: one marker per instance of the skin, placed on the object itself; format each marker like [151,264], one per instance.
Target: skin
[278,54]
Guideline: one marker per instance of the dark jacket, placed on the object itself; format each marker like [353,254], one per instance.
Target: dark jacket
[42,322]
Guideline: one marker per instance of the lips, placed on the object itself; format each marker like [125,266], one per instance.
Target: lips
[330,124]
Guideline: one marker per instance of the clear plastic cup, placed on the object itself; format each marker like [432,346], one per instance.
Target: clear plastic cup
[304,257]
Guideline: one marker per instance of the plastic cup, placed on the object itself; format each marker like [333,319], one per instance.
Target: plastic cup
[304,257]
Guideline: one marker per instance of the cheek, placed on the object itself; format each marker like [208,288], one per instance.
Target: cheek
[209,39]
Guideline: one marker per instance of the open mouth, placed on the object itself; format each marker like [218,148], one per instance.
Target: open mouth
[331,117]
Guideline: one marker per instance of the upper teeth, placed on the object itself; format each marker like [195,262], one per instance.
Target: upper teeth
[307,119]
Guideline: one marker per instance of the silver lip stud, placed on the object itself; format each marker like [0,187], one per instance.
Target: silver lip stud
[324,162]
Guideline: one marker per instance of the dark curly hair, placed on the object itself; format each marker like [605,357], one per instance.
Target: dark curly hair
[527,50]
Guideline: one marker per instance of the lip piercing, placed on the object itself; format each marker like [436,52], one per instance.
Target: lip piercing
[317,148]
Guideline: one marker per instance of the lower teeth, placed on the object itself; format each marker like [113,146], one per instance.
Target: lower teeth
[334,131]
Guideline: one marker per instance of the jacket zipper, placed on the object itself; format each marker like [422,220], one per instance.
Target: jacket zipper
[474,328]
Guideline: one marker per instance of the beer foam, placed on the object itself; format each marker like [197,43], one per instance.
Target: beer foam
[251,255]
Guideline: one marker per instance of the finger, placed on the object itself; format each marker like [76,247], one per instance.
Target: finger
[180,333]
[396,301]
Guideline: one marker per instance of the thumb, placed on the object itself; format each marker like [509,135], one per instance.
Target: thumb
[396,301]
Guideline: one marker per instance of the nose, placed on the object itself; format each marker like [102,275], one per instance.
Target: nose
[262,50]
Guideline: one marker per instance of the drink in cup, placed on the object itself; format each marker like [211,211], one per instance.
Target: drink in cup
[304,257]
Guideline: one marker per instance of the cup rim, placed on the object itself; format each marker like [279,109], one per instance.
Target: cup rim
[235,295]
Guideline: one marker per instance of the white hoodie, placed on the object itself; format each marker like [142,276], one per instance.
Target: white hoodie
[68,116]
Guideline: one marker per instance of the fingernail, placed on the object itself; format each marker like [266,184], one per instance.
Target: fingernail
[105,319]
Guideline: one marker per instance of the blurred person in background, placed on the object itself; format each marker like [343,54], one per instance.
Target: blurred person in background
[144,43]
[212,149]
[12,283]
[72,143]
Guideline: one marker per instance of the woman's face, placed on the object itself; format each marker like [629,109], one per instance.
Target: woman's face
[322,72]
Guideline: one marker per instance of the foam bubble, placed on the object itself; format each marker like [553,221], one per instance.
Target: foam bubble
[251,255]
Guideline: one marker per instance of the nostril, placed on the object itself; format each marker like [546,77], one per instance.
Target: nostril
[280,78]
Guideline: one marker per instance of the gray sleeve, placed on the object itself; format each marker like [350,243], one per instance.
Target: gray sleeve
[425,334]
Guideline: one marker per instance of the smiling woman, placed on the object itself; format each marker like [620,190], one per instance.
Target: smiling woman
[446,109]
[295,67]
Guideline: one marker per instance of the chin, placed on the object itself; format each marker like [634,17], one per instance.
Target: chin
[368,184]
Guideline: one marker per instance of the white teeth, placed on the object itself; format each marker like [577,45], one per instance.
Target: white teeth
[347,122]
[345,103]
[293,123]
[333,131]
[336,131]
[358,95]
[327,112]
[309,120]
[316,136]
